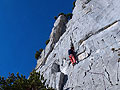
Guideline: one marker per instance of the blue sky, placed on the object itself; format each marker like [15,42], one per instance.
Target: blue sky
[25,25]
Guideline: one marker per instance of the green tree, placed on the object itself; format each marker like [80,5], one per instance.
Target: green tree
[74,4]
[37,54]
[61,14]
[47,41]
[69,16]
[40,50]
[34,82]
[55,17]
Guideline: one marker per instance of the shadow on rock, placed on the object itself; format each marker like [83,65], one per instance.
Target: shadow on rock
[64,81]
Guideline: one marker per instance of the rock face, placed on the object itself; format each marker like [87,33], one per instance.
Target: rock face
[94,31]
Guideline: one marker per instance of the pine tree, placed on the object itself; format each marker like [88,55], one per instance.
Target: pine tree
[19,82]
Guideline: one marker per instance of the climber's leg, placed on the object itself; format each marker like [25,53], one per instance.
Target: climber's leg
[71,59]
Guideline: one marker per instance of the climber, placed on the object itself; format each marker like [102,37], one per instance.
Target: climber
[72,55]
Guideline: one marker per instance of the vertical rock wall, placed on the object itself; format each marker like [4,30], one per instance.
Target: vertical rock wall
[94,31]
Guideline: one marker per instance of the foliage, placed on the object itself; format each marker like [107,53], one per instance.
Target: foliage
[34,82]
[37,54]
[73,5]
[55,18]
[40,50]
[47,41]
[61,14]
[69,16]
[58,15]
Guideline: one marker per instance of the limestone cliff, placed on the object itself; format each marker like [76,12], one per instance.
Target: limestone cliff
[94,31]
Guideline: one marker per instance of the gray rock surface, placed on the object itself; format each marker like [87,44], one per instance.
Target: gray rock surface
[55,68]
[94,31]
[58,29]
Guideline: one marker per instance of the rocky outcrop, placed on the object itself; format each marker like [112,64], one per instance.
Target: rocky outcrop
[57,31]
[94,31]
